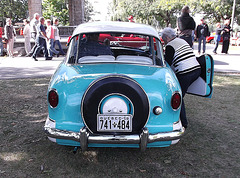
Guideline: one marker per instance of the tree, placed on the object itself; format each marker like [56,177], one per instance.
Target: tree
[153,12]
[217,10]
[56,8]
[88,11]
[14,9]
[164,13]
[67,12]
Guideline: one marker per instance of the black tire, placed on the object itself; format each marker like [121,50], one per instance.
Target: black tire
[212,42]
[115,84]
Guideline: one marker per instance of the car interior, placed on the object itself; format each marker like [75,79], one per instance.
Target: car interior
[125,48]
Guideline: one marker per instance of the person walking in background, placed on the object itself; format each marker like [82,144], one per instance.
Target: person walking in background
[33,27]
[217,37]
[10,33]
[33,24]
[202,32]
[50,35]
[226,36]
[186,25]
[41,40]
[179,55]
[1,43]
[57,36]
[27,36]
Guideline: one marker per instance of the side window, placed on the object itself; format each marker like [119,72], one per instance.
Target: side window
[72,50]
[158,49]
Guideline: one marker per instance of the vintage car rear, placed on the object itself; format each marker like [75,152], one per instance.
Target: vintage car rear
[129,98]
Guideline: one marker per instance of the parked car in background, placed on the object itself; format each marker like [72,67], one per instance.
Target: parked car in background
[210,39]
[116,92]
[235,40]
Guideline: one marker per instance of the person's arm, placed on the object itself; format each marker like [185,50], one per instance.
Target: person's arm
[179,24]
[197,31]
[208,32]
[169,53]
[14,32]
[43,32]
[5,32]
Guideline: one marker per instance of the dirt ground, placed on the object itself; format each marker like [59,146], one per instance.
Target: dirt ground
[209,149]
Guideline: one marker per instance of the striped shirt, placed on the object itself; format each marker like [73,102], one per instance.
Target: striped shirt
[180,56]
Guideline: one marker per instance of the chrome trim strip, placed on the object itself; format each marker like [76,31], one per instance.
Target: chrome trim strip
[85,137]
[166,136]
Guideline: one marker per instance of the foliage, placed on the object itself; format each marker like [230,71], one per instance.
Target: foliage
[56,8]
[155,12]
[88,11]
[217,10]
[164,13]
[59,9]
[14,9]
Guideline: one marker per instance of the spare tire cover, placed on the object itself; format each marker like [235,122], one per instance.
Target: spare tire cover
[115,84]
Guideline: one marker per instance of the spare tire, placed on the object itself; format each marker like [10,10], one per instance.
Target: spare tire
[115,85]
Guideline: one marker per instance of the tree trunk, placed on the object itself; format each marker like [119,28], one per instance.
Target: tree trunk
[34,6]
[76,12]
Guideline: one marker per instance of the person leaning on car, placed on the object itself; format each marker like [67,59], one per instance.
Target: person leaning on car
[179,55]
[186,25]
[90,46]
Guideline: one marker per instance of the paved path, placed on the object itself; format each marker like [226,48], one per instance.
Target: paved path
[25,67]
[224,63]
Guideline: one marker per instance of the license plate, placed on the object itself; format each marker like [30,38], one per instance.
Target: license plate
[114,122]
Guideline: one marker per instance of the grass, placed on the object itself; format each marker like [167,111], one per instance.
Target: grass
[209,149]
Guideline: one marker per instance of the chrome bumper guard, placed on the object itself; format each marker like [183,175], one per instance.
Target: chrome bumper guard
[85,137]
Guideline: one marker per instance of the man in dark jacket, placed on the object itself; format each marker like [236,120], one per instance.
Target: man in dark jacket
[226,36]
[186,25]
[202,32]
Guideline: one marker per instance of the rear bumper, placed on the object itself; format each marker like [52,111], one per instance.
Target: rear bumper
[85,137]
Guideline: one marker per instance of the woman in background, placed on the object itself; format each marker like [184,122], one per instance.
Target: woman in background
[9,36]
[57,36]
[27,36]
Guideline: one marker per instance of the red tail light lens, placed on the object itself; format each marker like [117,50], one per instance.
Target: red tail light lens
[176,101]
[53,98]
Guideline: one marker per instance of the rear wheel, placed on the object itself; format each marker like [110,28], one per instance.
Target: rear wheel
[116,94]
[212,42]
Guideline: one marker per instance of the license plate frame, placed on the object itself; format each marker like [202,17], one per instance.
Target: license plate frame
[114,122]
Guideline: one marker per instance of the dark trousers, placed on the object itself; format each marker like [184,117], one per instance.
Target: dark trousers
[33,35]
[57,42]
[185,81]
[225,46]
[216,46]
[41,42]
[188,39]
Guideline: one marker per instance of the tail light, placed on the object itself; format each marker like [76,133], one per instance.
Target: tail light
[176,101]
[53,98]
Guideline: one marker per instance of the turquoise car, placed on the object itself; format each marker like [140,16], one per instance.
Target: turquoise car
[114,89]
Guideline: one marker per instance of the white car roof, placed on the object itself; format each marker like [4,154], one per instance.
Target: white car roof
[111,26]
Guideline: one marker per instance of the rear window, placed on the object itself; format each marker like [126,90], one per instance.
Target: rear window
[115,47]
